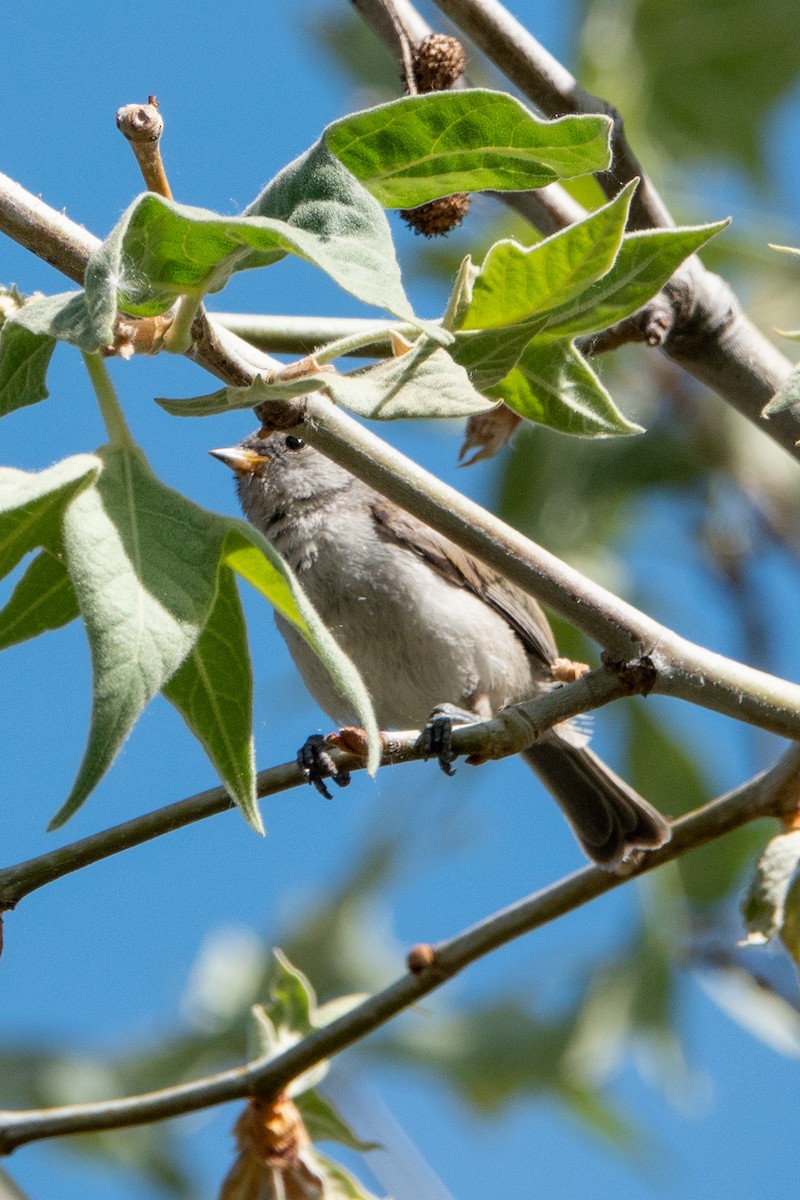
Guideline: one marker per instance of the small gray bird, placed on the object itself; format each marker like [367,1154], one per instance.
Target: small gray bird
[426,624]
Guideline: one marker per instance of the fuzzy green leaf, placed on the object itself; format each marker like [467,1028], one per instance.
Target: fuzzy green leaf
[44,599]
[552,384]
[314,209]
[32,504]
[489,354]
[213,692]
[142,560]
[27,340]
[516,283]
[425,382]
[646,260]
[413,150]
[249,554]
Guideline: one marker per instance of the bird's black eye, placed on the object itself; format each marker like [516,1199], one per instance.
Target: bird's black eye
[294,443]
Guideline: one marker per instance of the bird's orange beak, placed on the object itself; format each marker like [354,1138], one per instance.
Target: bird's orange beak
[243,462]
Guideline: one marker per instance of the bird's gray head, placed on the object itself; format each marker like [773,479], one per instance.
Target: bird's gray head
[278,471]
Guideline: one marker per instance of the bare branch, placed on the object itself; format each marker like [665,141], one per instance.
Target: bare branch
[766,795]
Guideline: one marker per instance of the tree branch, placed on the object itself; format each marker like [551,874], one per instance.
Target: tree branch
[683,669]
[512,730]
[767,795]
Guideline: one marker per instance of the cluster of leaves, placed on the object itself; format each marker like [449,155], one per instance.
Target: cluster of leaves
[148,571]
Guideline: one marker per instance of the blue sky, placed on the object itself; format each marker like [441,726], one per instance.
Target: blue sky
[100,959]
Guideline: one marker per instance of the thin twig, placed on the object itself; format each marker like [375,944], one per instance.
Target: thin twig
[143,125]
[510,731]
[766,795]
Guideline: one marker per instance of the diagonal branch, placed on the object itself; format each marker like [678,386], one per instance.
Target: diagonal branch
[767,795]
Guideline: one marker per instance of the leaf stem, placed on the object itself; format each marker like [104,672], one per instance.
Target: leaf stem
[116,426]
[352,342]
[178,338]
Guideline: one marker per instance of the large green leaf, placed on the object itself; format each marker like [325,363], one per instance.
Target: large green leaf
[425,382]
[145,564]
[143,561]
[413,150]
[43,599]
[554,385]
[32,504]
[314,209]
[645,262]
[516,283]
[27,341]
[213,692]
[489,354]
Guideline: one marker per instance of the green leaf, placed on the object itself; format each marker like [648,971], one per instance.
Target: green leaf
[32,503]
[143,562]
[489,354]
[413,150]
[516,283]
[27,340]
[286,1018]
[228,399]
[213,691]
[425,382]
[787,395]
[773,886]
[160,250]
[324,1124]
[24,359]
[43,599]
[553,385]
[252,557]
[646,260]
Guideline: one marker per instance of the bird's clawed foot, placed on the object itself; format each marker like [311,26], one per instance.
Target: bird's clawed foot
[437,736]
[317,765]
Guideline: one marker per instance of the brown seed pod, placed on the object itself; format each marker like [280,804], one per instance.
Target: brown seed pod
[439,216]
[438,61]
[271,1131]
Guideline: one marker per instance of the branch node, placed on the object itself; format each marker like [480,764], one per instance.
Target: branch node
[637,675]
[421,959]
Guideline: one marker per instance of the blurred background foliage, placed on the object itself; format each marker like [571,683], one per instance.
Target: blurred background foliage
[702,511]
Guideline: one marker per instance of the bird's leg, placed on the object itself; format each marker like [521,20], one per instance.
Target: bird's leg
[437,736]
[317,765]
